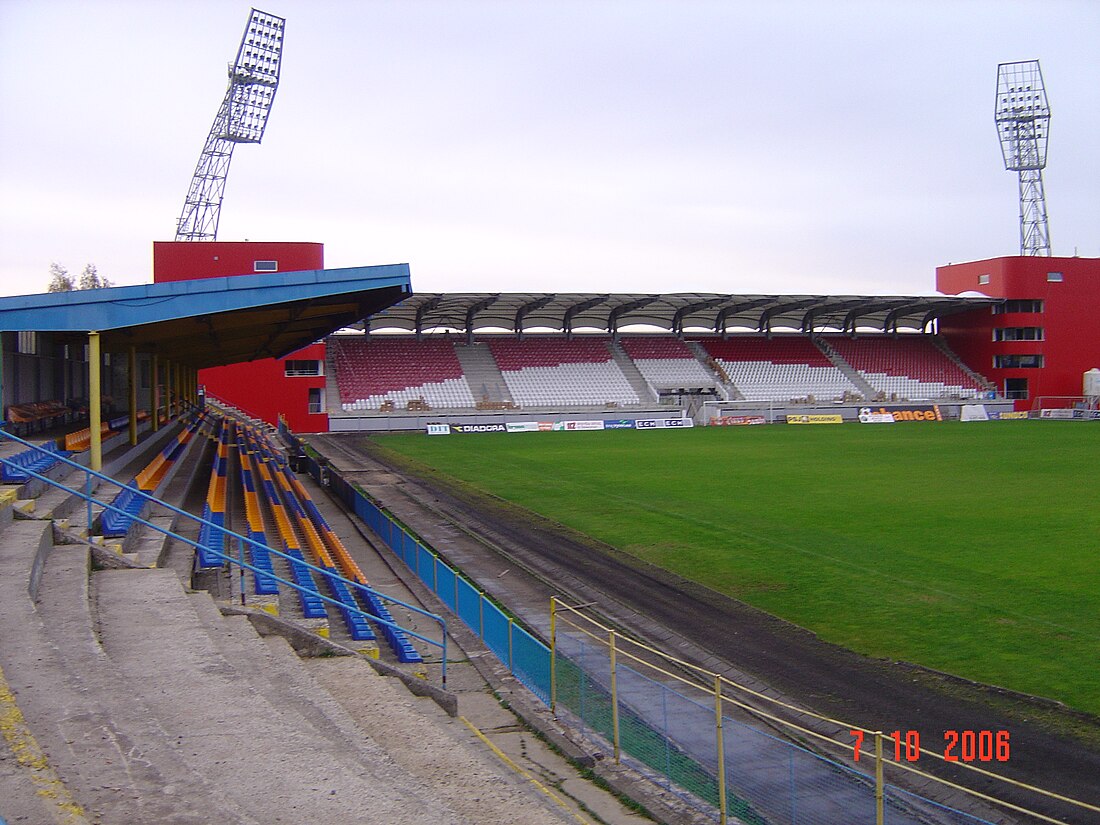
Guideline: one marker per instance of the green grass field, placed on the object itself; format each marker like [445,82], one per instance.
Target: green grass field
[968,548]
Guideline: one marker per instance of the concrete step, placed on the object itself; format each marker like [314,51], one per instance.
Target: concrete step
[108,754]
[261,755]
[275,671]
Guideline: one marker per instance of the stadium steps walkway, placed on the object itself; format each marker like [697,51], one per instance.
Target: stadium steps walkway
[482,373]
[333,405]
[941,344]
[721,380]
[850,373]
[646,394]
[269,750]
[106,748]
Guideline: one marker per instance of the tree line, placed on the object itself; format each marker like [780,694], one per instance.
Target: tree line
[62,281]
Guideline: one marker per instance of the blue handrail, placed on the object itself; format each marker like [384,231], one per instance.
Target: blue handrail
[241,541]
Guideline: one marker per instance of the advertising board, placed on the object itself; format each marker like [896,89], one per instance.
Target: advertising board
[619,424]
[522,426]
[478,428]
[910,412]
[592,424]
[820,418]
[662,423]
[439,429]
[737,420]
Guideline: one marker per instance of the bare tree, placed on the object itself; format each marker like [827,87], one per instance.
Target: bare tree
[60,279]
[91,279]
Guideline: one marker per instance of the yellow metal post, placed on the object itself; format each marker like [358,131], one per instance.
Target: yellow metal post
[154,392]
[614,697]
[133,394]
[95,398]
[553,654]
[879,812]
[177,370]
[722,814]
[166,401]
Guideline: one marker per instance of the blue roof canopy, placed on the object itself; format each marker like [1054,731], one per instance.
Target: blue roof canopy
[214,321]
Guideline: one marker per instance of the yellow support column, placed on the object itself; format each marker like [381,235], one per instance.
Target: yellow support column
[95,398]
[614,697]
[133,394]
[880,811]
[553,654]
[166,388]
[154,392]
[720,741]
[177,370]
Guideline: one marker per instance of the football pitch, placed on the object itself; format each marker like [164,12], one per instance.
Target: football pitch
[968,548]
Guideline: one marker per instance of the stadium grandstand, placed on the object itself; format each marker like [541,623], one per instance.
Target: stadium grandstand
[149,451]
[475,358]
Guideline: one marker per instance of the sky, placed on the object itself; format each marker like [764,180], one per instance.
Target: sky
[597,146]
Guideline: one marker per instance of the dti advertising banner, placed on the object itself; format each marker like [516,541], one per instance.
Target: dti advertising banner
[439,429]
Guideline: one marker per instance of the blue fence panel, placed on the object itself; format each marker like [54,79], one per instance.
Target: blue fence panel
[469,605]
[446,584]
[425,564]
[531,663]
[495,634]
[899,804]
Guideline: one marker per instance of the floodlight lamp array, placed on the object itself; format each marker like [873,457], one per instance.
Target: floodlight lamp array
[1022,115]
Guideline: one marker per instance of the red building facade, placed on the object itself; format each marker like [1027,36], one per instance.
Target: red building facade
[293,386]
[1045,336]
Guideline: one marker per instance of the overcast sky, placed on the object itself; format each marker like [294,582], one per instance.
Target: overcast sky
[604,145]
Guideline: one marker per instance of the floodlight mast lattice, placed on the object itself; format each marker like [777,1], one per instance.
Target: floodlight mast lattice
[242,118]
[1022,116]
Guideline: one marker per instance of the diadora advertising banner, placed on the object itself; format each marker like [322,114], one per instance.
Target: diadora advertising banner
[822,418]
[478,428]
[912,412]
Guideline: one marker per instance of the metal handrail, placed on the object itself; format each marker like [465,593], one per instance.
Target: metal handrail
[241,541]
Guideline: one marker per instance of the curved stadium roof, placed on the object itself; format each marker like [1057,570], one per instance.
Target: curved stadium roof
[469,312]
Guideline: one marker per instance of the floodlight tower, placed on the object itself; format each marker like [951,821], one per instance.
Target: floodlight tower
[242,117]
[1023,123]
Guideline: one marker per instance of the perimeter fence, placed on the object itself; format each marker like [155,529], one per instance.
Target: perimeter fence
[685,728]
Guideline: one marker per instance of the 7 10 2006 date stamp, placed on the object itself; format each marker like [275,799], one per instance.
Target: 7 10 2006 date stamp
[958,745]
